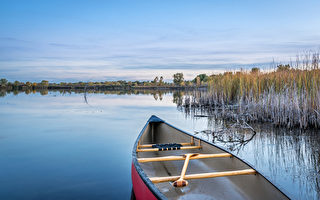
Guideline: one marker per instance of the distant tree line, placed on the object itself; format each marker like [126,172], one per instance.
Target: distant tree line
[178,81]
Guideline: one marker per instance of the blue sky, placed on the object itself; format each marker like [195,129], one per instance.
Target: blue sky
[110,40]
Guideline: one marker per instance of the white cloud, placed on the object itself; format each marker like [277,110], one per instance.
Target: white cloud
[144,58]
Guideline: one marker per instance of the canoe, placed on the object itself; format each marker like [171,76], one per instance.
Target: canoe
[168,163]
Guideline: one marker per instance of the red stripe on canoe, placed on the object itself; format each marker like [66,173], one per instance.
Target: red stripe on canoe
[141,191]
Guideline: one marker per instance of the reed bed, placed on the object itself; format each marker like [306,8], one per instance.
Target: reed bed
[287,96]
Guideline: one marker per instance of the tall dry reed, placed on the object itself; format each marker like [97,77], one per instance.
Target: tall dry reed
[287,96]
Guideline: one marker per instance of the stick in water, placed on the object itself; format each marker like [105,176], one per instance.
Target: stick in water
[181,182]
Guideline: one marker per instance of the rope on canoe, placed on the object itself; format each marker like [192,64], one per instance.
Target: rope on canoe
[169,146]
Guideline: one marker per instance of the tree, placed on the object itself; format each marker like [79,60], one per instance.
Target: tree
[255,70]
[198,81]
[178,78]
[230,73]
[29,84]
[155,80]
[44,83]
[189,83]
[3,81]
[90,83]
[161,80]
[281,68]
[200,78]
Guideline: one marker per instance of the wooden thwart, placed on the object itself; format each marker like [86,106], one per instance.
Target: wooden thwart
[181,182]
[181,148]
[203,175]
[171,158]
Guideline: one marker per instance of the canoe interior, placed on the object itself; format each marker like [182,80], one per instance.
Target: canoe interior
[232,187]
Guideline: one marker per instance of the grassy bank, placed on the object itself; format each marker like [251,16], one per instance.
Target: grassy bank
[288,96]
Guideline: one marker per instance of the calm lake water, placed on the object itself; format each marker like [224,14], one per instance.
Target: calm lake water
[63,146]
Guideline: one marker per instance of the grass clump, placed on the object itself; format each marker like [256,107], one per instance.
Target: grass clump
[287,96]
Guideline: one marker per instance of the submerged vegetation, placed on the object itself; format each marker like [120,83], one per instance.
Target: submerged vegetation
[288,96]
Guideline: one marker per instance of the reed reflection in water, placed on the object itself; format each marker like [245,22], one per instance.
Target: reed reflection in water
[288,158]
[291,158]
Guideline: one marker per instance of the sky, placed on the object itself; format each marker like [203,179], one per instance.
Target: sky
[94,40]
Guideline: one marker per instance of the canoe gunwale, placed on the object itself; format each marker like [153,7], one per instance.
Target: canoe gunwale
[136,164]
[148,182]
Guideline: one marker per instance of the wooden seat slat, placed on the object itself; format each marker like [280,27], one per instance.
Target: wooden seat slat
[204,175]
[171,158]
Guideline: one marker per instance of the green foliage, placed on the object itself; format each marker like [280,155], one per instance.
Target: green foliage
[3,81]
[255,70]
[29,84]
[203,78]
[178,78]
[155,80]
[93,85]
[44,83]
[189,83]
[198,81]
[283,68]
[2,93]
[161,80]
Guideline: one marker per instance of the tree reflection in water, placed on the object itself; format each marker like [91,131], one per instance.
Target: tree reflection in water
[288,158]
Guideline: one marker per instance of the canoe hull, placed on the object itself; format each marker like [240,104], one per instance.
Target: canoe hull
[157,131]
[141,191]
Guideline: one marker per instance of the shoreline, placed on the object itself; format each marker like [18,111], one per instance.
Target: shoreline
[99,87]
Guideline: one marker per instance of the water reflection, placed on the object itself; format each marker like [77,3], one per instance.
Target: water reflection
[289,158]
[233,136]
[55,146]
[157,94]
